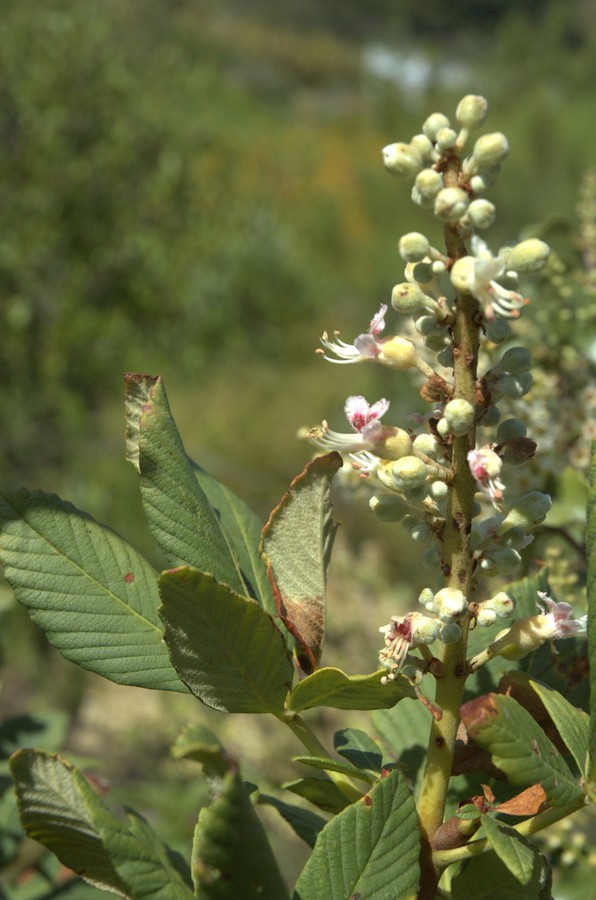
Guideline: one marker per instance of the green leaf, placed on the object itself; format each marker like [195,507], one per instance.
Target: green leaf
[360,749]
[571,723]
[332,687]
[91,593]
[46,730]
[591,589]
[231,854]
[333,765]
[243,529]
[322,792]
[522,860]
[297,542]
[304,822]
[404,733]
[198,742]
[59,809]
[226,648]
[487,878]
[187,529]
[369,850]
[519,747]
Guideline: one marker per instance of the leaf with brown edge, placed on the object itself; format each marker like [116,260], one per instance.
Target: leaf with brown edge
[296,546]
[528,803]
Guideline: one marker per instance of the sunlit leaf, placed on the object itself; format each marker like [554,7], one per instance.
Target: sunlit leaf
[487,878]
[334,765]
[321,792]
[297,542]
[92,594]
[332,687]
[571,723]
[522,860]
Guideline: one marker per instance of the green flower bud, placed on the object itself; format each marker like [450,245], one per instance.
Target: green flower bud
[451,204]
[429,182]
[431,558]
[513,386]
[443,427]
[446,139]
[425,324]
[471,111]
[527,512]
[481,213]
[426,598]
[528,256]
[402,159]
[445,357]
[433,125]
[399,353]
[439,490]
[449,603]
[510,429]
[409,472]
[436,342]
[413,246]
[427,444]
[424,146]
[506,559]
[490,417]
[419,200]
[422,272]
[479,184]
[498,330]
[450,633]
[462,274]
[408,298]
[388,507]
[490,150]
[459,415]
[515,361]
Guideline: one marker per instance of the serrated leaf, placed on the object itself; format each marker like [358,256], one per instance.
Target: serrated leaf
[487,878]
[333,765]
[59,809]
[360,749]
[369,850]
[198,742]
[231,854]
[304,822]
[571,723]
[226,648]
[591,590]
[332,687]
[322,792]
[186,527]
[297,542]
[244,531]
[91,593]
[521,859]
[519,747]
[404,733]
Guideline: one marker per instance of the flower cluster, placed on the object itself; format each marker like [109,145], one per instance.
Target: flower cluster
[417,468]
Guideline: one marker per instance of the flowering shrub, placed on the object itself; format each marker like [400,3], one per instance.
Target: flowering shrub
[238,618]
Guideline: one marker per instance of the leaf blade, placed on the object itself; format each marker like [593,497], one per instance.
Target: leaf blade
[330,686]
[571,723]
[521,859]
[591,591]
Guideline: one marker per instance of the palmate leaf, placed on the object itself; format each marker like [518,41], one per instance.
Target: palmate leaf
[187,528]
[226,648]
[369,850]
[91,593]
[297,542]
[519,747]
[61,810]
[591,587]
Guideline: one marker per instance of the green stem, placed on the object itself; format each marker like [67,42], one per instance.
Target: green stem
[458,570]
[309,739]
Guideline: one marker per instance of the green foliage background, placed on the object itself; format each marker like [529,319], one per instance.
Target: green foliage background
[194,188]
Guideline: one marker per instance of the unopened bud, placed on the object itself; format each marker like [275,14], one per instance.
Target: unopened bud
[433,125]
[399,353]
[502,604]
[428,183]
[481,213]
[424,146]
[413,246]
[388,507]
[510,429]
[490,150]
[498,330]
[528,256]
[462,274]
[506,559]
[471,111]
[450,204]
[427,444]
[398,443]
[409,472]
[408,298]
[450,603]
[486,617]
[516,361]
[402,159]
[446,139]
[450,633]
[426,598]
[527,512]
[459,415]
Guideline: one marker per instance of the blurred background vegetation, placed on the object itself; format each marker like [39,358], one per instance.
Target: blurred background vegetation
[194,188]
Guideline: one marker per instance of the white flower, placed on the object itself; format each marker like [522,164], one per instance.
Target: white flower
[365,347]
[364,419]
[477,275]
[485,466]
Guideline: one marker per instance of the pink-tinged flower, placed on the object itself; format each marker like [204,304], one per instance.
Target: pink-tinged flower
[365,420]
[477,275]
[558,617]
[402,634]
[365,347]
[485,466]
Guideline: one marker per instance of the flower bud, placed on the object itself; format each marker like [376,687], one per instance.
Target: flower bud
[479,184]
[436,341]
[490,150]
[426,598]
[528,256]
[450,204]
[408,298]
[433,125]
[431,558]
[409,472]
[402,159]
[459,415]
[471,111]
[445,357]
[439,490]
[413,246]
[506,560]
[490,416]
[428,183]
[446,139]
[481,213]
[421,272]
[516,361]
[449,603]
[450,633]
[502,604]
[527,512]
[510,429]
[398,443]
[498,330]
[486,617]
[388,507]
[425,325]
[513,386]
[399,353]
[424,146]
[462,274]
[427,444]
